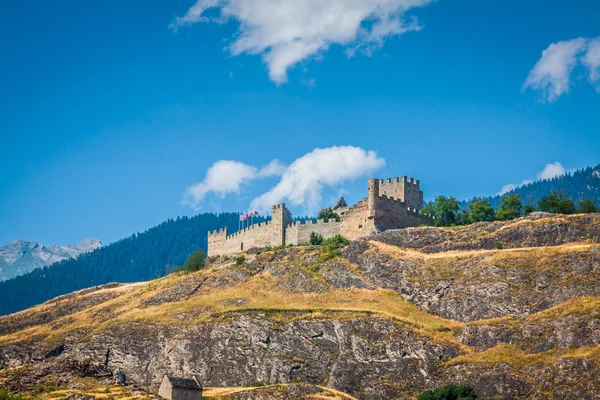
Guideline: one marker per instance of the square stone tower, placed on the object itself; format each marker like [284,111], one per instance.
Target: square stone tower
[280,219]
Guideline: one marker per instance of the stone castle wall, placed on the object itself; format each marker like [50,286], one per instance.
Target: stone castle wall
[257,235]
[355,222]
[299,233]
[391,203]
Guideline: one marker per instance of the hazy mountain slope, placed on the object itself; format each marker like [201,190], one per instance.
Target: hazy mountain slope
[390,316]
[578,185]
[139,257]
[20,257]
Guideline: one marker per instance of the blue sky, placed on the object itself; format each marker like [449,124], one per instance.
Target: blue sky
[109,114]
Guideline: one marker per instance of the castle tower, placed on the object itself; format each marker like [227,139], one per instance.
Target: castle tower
[373,196]
[216,240]
[280,218]
[404,189]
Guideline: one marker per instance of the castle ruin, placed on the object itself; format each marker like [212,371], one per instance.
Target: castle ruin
[391,203]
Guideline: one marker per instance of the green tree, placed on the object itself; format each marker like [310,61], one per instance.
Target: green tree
[587,206]
[327,214]
[480,210]
[557,202]
[442,211]
[510,207]
[195,261]
[315,239]
[449,392]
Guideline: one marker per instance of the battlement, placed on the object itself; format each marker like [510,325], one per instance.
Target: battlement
[217,232]
[310,222]
[399,202]
[402,179]
[277,206]
[250,228]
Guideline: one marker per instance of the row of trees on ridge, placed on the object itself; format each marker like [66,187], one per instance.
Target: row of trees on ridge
[446,211]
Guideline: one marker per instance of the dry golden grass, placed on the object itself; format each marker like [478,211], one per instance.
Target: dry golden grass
[517,358]
[327,394]
[260,292]
[496,254]
[97,391]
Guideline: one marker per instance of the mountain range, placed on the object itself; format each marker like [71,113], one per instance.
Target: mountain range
[20,257]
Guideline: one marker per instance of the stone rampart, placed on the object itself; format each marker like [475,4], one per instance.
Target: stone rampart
[257,235]
[299,232]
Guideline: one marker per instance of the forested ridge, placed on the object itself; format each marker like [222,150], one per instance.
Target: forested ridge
[584,183]
[140,257]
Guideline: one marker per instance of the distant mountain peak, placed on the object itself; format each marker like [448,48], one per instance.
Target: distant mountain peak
[22,256]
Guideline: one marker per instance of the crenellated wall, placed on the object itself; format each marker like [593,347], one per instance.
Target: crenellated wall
[257,235]
[299,232]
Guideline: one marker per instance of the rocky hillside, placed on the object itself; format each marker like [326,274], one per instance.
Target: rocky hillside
[20,257]
[510,308]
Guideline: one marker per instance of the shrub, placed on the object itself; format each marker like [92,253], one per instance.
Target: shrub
[336,242]
[239,260]
[194,262]
[329,254]
[314,268]
[5,396]
[449,392]
[315,239]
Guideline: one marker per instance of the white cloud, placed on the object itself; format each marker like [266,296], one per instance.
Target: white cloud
[550,171]
[285,32]
[227,176]
[592,61]
[552,73]
[303,181]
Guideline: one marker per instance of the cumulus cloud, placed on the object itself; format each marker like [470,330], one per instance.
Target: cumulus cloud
[303,181]
[592,61]
[550,171]
[285,32]
[552,73]
[226,177]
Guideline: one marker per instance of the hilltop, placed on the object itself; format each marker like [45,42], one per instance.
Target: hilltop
[510,308]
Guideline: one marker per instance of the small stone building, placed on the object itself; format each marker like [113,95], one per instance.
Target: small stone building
[180,389]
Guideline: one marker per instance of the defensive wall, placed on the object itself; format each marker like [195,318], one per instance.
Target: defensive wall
[392,203]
